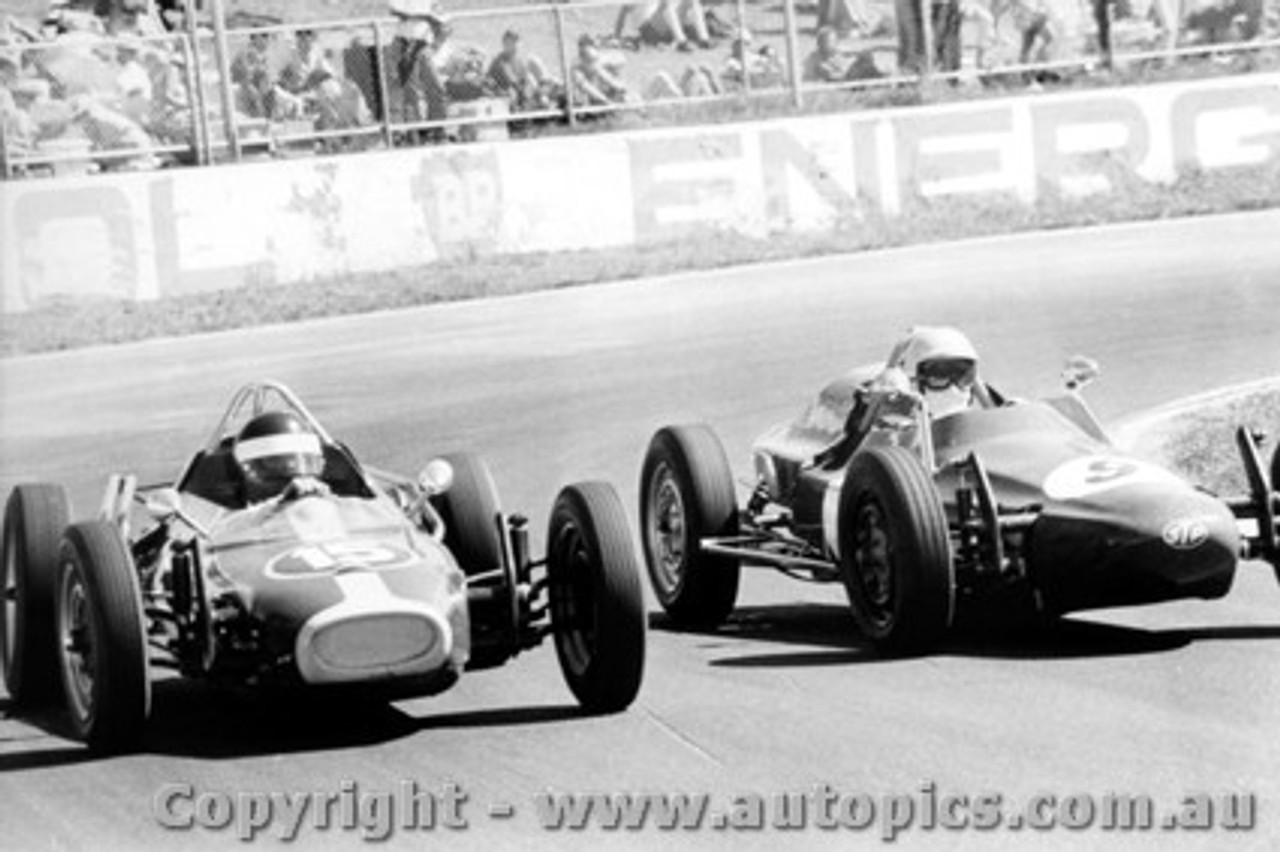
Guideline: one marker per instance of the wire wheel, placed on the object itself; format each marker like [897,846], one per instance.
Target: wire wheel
[668,534]
[873,563]
[77,644]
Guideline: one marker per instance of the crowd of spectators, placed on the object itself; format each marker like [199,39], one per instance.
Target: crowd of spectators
[112,79]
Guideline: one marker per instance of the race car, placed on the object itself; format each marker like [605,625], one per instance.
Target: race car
[275,560]
[924,490]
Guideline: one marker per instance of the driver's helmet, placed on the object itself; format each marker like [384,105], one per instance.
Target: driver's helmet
[273,449]
[941,364]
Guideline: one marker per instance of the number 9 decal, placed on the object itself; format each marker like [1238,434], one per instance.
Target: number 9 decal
[1091,475]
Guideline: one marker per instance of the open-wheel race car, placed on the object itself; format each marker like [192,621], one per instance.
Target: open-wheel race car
[275,560]
[924,490]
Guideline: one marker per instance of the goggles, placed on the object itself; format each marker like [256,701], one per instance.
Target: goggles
[940,375]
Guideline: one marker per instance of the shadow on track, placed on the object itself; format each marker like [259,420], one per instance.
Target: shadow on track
[193,719]
[834,639]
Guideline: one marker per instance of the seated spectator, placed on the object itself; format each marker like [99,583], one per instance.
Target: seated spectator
[462,67]
[170,118]
[334,102]
[133,81]
[521,78]
[109,130]
[826,64]
[679,22]
[257,95]
[19,128]
[761,69]
[307,67]
[594,82]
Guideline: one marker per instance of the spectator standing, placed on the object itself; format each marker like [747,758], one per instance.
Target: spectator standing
[946,20]
[844,16]
[417,91]
[679,22]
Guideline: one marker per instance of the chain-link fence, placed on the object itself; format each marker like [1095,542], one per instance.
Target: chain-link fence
[82,101]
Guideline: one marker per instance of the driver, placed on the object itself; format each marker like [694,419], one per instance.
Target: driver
[277,453]
[937,362]
[942,366]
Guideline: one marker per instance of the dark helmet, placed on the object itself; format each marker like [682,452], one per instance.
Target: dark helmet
[275,448]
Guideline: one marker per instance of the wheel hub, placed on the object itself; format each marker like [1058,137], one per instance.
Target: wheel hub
[667,538]
[873,558]
[76,644]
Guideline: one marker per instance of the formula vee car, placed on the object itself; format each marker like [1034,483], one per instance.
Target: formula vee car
[1006,506]
[348,581]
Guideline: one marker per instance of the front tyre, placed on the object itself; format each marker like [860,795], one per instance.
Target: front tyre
[597,609]
[101,643]
[895,554]
[34,518]
[686,495]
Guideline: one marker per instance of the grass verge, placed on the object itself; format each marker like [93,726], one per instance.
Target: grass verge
[1200,443]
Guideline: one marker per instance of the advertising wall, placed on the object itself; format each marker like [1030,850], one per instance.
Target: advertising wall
[166,233]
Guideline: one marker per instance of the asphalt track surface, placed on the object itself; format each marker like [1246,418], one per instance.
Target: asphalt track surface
[569,385]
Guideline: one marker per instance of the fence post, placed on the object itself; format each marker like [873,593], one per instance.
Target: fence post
[4,154]
[793,51]
[195,85]
[927,35]
[565,69]
[224,74]
[742,31]
[384,103]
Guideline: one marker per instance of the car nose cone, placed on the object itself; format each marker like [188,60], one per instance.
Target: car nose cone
[1148,544]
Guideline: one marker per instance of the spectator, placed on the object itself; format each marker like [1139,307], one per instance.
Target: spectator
[1037,29]
[520,78]
[308,67]
[679,22]
[133,82]
[335,103]
[111,131]
[19,129]
[825,64]
[170,119]
[417,92]
[844,16]
[134,18]
[761,69]
[257,96]
[946,19]
[594,82]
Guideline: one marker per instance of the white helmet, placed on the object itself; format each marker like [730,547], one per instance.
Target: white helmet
[941,364]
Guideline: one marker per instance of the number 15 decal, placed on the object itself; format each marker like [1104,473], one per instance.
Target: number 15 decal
[314,559]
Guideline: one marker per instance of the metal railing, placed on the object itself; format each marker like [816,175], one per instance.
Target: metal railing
[214,94]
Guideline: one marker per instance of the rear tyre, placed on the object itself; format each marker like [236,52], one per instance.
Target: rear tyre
[101,642]
[34,518]
[895,551]
[686,495]
[597,607]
